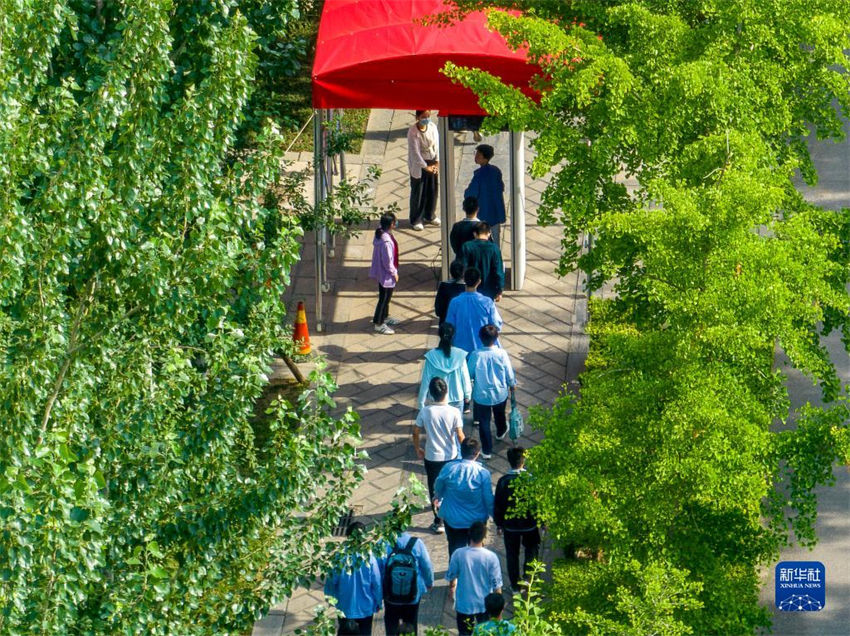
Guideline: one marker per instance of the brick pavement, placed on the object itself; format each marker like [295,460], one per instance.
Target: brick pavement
[378,375]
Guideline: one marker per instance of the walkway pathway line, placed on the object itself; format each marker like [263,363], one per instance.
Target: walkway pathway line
[378,375]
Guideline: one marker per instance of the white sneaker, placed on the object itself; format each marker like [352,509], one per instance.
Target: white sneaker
[486,456]
[392,322]
[418,227]
[502,436]
[435,221]
[385,329]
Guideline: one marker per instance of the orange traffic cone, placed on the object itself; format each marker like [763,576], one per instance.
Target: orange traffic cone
[300,334]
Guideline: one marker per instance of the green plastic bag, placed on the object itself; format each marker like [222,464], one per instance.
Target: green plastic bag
[515,423]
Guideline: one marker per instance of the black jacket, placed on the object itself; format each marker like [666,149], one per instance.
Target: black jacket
[462,232]
[503,504]
[445,292]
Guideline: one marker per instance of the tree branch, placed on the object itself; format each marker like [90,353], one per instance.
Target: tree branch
[83,308]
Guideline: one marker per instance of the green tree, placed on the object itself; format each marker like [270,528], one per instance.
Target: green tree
[142,267]
[723,277]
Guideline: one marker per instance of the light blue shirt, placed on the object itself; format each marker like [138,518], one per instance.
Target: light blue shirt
[468,312]
[425,580]
[478,573]
[492,374]
[466,492]
[494,628]
[452,369]
[358,593]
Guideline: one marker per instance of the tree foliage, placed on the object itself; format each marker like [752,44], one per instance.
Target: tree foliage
[142,267]
[722,277]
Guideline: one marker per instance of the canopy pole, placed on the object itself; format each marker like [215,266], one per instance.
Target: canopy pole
[447,191]
[517,145]
[336,117]
[318,197]
[330,162]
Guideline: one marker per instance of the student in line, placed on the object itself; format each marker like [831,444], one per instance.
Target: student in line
[449,289]
[493,381]
[470,311]
[482,254]
[494,605]
[474,572]
[357,589]
[407,575]
[464,230]
[448,362]
[518,530]
[443,429]
[463,495]
[488,188]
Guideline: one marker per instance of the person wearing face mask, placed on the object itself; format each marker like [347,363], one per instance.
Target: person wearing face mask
[423,157]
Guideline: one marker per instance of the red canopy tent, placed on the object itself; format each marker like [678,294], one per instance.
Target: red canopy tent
[378,54]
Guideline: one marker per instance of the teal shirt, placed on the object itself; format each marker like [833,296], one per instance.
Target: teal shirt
[486,258]
[494,628]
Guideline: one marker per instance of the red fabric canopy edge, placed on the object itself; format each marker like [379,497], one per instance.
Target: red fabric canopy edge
[376,54]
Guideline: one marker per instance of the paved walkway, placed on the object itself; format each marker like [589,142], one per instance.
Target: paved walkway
[833,524]
[378,375]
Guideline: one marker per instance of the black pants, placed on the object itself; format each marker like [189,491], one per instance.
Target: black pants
[395,615]
[482,413]
[457,538]
[530,539]
[423,197]
[432,470]
[382,310]
[365,625]
[466,622]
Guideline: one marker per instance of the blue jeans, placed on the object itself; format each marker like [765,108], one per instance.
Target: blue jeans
[482,414]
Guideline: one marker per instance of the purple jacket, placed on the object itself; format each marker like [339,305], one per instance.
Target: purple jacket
[383,267]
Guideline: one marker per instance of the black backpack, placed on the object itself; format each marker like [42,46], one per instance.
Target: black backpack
[401,575]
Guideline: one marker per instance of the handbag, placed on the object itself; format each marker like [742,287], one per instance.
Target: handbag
[515,423]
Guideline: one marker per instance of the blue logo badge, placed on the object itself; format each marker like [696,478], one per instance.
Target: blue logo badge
[800,586]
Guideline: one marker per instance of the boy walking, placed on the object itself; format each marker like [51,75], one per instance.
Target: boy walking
[357,590]
[464,230]
[474,572]
[488,188]
[408,574]
[463,494]
[496,626]
[443,426]
[518,531]
[470,311]
[483,254]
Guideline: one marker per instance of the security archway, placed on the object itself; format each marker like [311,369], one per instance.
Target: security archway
[380,54]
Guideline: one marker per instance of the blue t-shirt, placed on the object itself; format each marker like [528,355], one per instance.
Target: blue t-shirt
[468,313]
[490,369]
[466,492]
[358,593]
[425,578]
[478,573]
